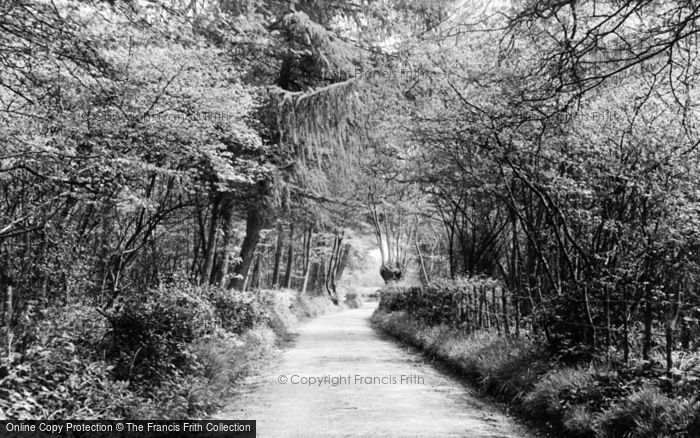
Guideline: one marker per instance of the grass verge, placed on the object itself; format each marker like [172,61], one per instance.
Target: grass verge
[595,401]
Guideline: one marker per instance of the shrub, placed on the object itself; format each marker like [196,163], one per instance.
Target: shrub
[352,300]
[237,311]
[175,352]
[278,304]
[152,334]
[57,376]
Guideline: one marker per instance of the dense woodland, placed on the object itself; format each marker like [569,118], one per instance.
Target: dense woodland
[160,151]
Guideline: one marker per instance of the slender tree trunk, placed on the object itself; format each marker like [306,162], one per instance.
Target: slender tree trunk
[8,310]
[254,224]
[330,273]
[481,308]
[279,248]
[227,244]
[290,258]
[320,286]
[211,242]
[608,322]
[424,274]
[504,305]
[311,279]
[593,336]
[515,277]
[648,320]
[307,258]
[389,240]
[496,317]
[669,348]
[671,322]
[8,321]
[333,268]
[625,329]
[473,305]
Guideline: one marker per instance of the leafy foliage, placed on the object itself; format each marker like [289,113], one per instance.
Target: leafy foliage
[152,333]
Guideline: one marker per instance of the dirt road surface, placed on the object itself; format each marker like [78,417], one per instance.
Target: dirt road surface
[341,379]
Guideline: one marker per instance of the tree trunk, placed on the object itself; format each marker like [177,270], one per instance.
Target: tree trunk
[504,307]
[278,256]
[515,277]
[671,323]
[252,235]
[311,280]
[608,322]
[227,244]
[254,282]
[8,311]
[290,259]
[494,305]
[343,262]
[423,273]
[211,243]
[648,320]
[307,258]
[333,268]
[320,286]
[332,264]
[589,314]
[8,321]
[625,329]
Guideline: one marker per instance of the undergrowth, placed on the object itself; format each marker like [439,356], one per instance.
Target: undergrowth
[592,401]
[177,351]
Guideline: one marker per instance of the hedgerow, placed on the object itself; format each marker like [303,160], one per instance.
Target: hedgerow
[596,399]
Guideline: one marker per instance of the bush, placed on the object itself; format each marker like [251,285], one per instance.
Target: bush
[237,311]
[278,304]
[352,300]
[152,334]
[58,376]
